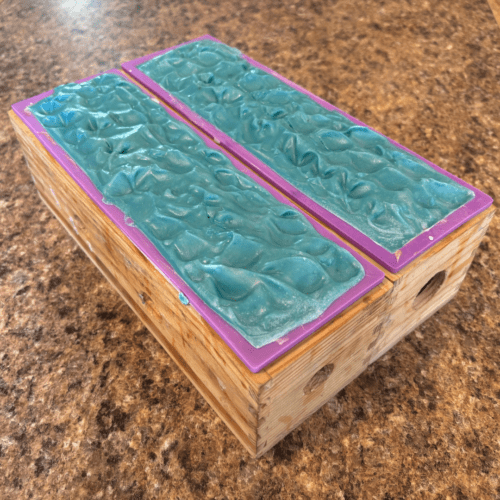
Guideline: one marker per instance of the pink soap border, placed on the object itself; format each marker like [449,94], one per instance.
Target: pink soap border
[255,359]
[394,262]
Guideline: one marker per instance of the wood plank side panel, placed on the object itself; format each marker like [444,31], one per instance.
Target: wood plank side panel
[227,385]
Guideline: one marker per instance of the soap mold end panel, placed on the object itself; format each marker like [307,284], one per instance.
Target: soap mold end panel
[393,262]
[255,359]
[431,280]
[299,382]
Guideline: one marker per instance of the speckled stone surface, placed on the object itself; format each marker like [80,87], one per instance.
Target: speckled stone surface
[90,404]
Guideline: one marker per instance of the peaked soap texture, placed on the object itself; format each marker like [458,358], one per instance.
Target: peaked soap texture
[355,173]
[257,262]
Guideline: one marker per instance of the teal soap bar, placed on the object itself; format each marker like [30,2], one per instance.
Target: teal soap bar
[257,262]
[388,194]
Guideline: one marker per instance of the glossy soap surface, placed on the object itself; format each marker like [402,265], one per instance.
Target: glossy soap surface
[257,262]
[357,174]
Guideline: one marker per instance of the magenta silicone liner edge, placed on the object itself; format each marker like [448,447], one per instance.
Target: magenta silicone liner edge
[394,262]
[255,359]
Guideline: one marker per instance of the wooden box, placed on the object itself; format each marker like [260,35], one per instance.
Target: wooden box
[260,408]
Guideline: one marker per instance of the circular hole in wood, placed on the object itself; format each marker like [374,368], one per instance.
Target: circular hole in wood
[318,378]
[429,289]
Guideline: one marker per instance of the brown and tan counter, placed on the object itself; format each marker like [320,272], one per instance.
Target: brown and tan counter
[92,407]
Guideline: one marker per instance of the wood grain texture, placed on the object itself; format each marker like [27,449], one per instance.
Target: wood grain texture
[293,394]
[428,283]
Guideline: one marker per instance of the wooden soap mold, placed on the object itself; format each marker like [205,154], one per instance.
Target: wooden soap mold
[260,408]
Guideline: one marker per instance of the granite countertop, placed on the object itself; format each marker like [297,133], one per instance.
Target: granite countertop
[90,404]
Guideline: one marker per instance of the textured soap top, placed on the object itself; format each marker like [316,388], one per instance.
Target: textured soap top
[358,175]
[257,262]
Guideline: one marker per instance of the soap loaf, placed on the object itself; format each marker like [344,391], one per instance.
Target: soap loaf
[384,199]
